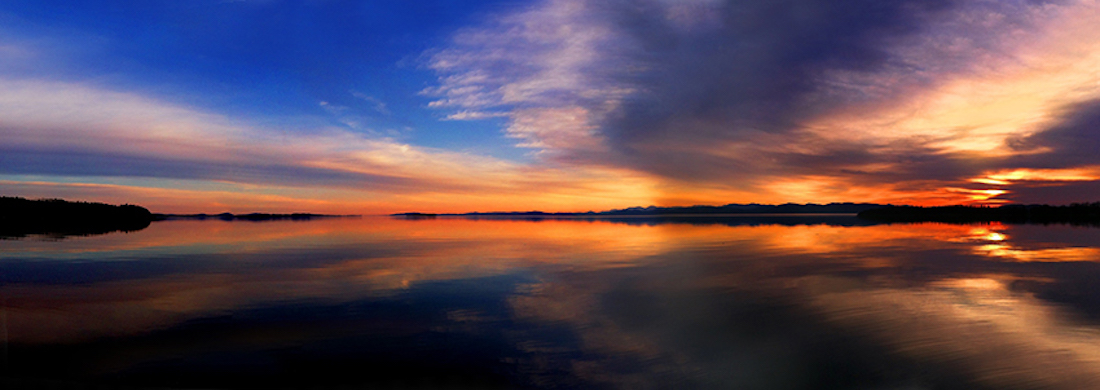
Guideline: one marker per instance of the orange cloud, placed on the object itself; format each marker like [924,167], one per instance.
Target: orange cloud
[1005,177]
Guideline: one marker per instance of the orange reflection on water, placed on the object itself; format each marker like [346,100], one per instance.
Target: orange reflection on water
[999,336]
[355,258]
[994,231]
[926,291]
[1066,254]
[348,259]
[993,241]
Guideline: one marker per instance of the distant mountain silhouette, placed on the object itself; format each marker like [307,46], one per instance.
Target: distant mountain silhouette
[753,208]
[698,219]
[20,217]
[1077,213]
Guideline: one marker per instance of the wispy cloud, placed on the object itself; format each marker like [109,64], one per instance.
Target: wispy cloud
[544,65]
[379,106]
[73,130]
[467,115]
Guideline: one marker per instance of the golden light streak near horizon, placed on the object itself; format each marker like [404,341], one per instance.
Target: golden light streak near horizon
[825,189]
[1007,177]
[979,195]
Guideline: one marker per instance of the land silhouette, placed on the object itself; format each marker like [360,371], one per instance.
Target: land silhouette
[733,208]
[20,217]
[1076,213]
[58,218]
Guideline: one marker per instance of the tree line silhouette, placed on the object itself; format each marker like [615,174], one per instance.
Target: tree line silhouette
[1076,213]
[20,217]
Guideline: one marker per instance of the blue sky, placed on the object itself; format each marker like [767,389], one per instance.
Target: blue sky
[271,63]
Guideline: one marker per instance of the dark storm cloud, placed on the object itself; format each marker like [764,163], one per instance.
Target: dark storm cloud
[764,68]
[706,91]
[758,69]
[1056,193]
[1073,142]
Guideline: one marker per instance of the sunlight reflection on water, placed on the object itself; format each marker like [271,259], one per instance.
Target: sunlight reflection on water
[557,303]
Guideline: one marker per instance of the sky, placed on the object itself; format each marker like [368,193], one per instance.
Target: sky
[372,107]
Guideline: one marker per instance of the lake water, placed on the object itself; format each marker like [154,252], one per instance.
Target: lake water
[380,302]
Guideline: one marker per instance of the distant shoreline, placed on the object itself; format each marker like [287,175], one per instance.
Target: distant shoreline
[58,218]
[248,217]
[20,217]
[610,216]
[729,209]
[1076,214]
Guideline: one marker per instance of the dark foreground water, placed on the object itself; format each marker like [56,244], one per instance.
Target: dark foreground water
[742,303]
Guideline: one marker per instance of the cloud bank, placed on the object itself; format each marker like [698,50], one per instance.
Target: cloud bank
[182,159]
[804,100]
[620,103]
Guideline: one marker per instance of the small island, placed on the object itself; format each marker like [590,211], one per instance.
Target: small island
[20,217]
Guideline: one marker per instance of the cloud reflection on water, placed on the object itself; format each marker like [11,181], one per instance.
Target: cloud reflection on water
[599,302]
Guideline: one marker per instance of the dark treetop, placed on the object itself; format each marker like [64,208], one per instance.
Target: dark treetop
[20,217]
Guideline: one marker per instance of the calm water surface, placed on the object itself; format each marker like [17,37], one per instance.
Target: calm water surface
[378,302]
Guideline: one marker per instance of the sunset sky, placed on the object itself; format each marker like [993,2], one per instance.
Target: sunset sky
[562,105]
